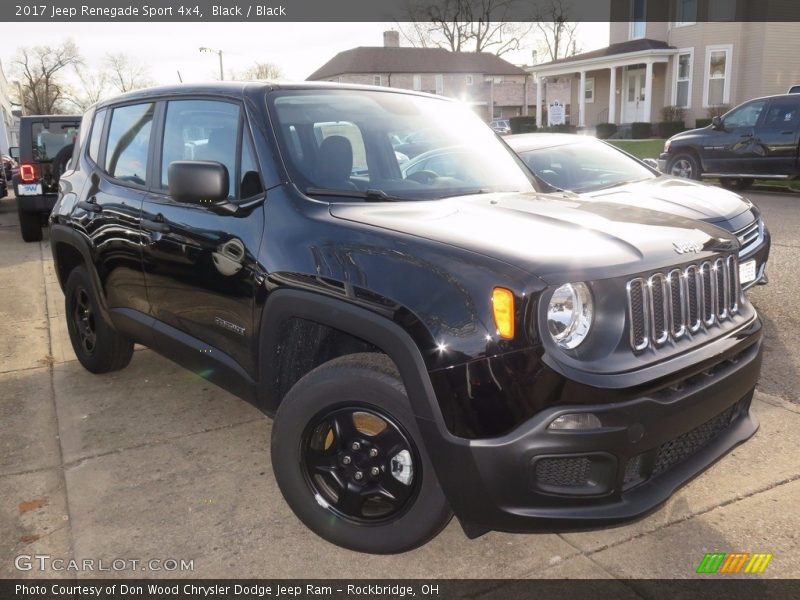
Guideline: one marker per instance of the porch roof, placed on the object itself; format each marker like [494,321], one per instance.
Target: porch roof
[616,55]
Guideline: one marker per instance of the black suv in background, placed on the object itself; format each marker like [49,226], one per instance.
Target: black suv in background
[759,139]
[45,149]
[429,344]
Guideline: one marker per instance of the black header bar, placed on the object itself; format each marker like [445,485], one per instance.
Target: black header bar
[393,10]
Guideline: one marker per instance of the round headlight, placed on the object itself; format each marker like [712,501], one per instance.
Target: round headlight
[569,314]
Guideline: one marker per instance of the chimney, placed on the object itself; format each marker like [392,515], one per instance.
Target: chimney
[391,39]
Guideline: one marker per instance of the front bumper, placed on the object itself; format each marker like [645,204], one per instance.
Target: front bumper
[536,479]
[761,255]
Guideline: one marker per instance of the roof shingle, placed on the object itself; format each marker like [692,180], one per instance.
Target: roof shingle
[614,49]
[413,60]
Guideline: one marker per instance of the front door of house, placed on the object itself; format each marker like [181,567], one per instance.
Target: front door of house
[634,94]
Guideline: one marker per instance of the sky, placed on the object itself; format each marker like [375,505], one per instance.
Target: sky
[166,48]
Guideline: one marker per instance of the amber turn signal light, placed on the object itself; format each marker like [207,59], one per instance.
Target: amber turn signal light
[503,307]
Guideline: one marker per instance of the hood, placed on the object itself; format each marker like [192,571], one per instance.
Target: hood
[677,196]
[556,238]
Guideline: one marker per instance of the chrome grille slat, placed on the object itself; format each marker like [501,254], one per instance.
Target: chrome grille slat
[748,234]
[682,301]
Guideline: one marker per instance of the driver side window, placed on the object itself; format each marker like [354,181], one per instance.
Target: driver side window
[129,142]
[745,116]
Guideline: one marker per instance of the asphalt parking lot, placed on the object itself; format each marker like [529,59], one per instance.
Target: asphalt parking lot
[153,462]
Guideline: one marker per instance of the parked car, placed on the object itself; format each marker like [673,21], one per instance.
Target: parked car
[501,126]
[524,361]
[795,89]
[44,152]
[756,140]
[600,172]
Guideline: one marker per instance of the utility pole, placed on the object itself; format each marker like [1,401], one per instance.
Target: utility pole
[218,53]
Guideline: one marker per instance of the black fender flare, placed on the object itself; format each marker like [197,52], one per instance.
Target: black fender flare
[62,234]
[283,304]
[445,450]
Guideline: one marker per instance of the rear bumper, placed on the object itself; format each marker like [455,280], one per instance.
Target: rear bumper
[537,479]
[42,203]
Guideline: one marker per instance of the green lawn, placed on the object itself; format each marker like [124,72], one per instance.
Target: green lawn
[640,148]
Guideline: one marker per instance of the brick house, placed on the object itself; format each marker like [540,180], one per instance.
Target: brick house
[492,86]
[695,65]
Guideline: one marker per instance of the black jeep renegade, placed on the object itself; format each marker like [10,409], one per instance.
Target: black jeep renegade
[448,342]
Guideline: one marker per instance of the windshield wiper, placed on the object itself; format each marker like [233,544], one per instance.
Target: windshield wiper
[371,195]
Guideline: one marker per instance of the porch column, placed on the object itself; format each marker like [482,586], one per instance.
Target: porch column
[582,101]
[612,96]
[648,91]
[539,92]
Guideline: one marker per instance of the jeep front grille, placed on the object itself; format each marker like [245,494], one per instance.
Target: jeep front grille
[749,235]
[681,302]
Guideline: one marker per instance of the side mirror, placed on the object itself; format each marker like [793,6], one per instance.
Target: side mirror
[13,152]
[651,162]
[202,182]
[716,122]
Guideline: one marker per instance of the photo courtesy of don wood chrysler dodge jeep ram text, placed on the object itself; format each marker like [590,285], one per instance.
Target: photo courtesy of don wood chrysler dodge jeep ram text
[429,345]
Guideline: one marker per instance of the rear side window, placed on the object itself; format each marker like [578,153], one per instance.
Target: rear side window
[784,112]
[97,132]
[201,130]
[49,137]
[128,142]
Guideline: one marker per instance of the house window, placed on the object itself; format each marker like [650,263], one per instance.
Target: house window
[682,94]
[638,19]
[588,90]
[685,12]
[469,79]
[440,84]
[718,75]
[417,82]
[376,80]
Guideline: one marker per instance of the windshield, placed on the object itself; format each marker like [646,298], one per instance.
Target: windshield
[584,166]
[49,137]
[404,146]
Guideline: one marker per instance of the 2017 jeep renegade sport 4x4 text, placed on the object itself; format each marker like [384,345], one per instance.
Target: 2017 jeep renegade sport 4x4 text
[451,342]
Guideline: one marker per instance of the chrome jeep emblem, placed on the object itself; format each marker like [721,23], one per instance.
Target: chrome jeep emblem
[687,247]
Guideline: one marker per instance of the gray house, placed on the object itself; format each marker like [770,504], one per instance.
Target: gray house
[492,86]
[683,62]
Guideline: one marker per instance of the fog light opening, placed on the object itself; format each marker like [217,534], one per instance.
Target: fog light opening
[576,421]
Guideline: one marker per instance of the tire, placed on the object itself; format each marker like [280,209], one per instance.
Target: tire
[315,411]
[30,225]
[736,183]
[98,346]
[684,164]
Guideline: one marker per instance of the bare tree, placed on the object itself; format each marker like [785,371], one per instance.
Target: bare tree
[558,35]
[93,86]
[125,74]
[259,70]
[464,26]
[40,73]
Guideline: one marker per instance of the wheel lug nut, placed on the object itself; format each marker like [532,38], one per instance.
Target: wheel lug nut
[355,446]
[374,471]
[346,460]
[359,476]
[373,452]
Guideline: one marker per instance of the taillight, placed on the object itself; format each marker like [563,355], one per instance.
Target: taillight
[27,173]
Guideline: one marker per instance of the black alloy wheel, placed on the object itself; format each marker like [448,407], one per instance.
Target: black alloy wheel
[83,319]
[361,463]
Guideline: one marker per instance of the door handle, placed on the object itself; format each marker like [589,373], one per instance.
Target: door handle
[788,132]
[746,135]
[90,206]
[157,226]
